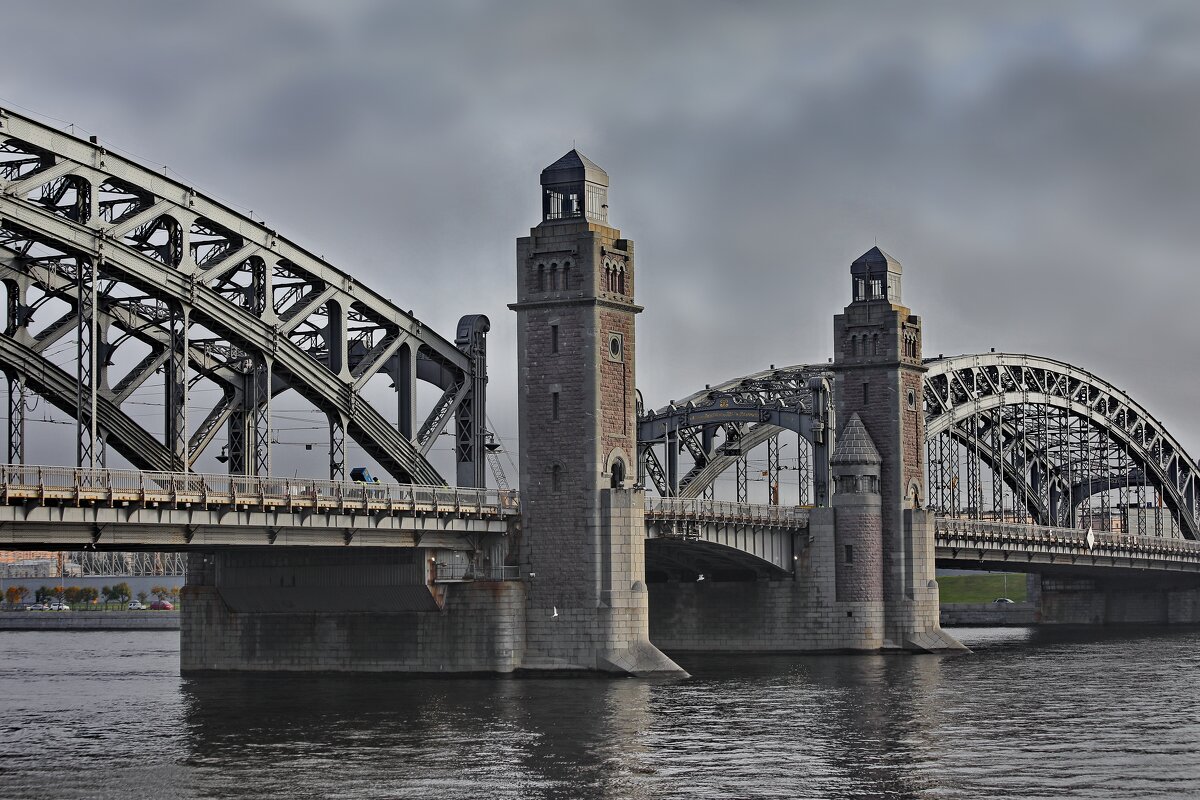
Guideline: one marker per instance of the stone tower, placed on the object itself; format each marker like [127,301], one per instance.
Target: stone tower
[879,377]
[582,518]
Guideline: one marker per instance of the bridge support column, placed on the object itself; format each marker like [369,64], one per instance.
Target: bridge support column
[176,388]
[16,419]
[260,424]
[337,447]
[90,447]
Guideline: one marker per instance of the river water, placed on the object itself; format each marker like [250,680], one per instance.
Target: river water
[1088,714]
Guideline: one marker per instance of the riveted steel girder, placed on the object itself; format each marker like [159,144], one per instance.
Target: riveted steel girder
[269,311]
[1089,415]
[1052,433]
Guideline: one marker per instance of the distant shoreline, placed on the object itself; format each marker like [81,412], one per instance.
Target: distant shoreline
[89,621]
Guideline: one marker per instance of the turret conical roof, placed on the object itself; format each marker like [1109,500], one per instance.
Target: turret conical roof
[854,445]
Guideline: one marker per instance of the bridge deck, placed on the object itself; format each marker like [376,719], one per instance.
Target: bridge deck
[766,533]
[1001,545]
[129,509]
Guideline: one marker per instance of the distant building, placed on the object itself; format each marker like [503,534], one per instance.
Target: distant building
[30,568]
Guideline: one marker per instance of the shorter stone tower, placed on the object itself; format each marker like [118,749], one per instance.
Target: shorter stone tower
[858,538]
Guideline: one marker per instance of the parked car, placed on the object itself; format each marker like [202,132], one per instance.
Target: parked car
[59,607]
[135,605]
[1002,601]
[161,605]
[38,607]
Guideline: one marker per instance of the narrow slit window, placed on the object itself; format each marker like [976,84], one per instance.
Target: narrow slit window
[866,392]
[553,338]
[554,405]
[849,554]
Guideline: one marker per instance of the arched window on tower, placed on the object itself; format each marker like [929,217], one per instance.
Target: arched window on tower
[556,478]
[554,277]
[541,278]
[621,279]
[617,480]
[874,345]
[566,276]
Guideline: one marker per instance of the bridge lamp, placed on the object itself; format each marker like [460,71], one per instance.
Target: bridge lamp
[223,457]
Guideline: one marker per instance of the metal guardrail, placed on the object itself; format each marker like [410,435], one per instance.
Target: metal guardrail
[699,509]
[1102,542]
[22,483]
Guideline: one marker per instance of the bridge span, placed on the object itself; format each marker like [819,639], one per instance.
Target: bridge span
[69,508]
[130,510]
[123,286]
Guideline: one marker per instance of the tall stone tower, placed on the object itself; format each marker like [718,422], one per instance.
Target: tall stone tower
[879,377]
[582,518]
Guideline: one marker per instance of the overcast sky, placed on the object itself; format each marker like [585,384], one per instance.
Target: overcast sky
[1033,165]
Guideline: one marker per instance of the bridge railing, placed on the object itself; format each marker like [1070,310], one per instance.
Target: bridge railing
[1018,532]
[696,508]
[33,482]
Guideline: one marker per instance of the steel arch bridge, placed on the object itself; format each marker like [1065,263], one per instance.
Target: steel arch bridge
[1009,437]
[136,275]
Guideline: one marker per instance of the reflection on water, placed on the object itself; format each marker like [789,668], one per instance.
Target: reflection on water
[1031,713]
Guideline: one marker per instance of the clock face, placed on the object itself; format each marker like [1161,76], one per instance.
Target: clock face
[616,347]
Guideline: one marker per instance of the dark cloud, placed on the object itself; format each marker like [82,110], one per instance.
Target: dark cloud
[1031,164]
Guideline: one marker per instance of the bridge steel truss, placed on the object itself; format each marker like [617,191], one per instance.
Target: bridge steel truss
[120,266]
[719,426]
[1024,438]
[1009,437]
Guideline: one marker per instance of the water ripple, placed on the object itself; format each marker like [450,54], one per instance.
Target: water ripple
[1072,714]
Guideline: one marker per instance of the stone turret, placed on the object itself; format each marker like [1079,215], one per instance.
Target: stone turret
[858,539]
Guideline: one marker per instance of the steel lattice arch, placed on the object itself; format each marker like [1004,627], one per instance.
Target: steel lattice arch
[1009,437]
[125,268]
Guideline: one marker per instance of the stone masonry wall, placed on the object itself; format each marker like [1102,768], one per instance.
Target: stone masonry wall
[1097,601]
[859,525]
[480,629]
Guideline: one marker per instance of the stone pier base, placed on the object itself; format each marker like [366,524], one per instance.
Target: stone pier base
[362,611]
[759,616]
[800,613]
[1117,600]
